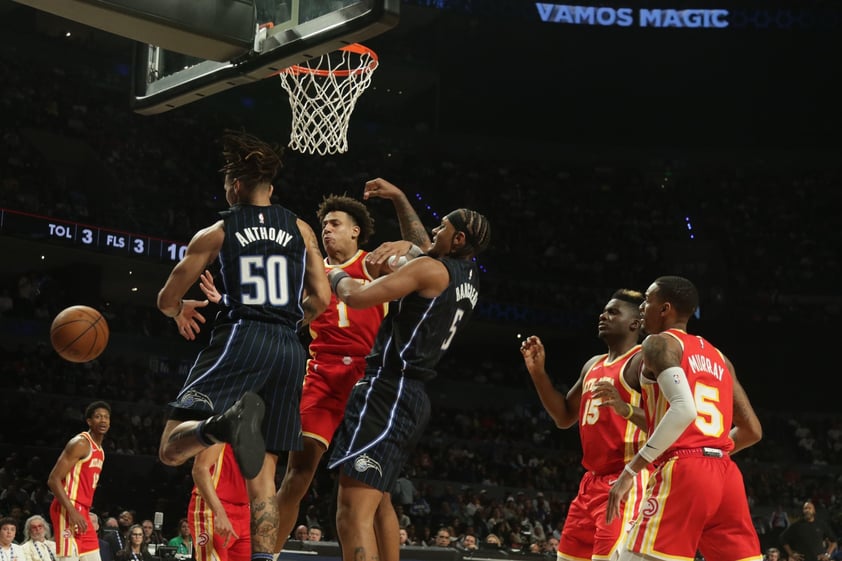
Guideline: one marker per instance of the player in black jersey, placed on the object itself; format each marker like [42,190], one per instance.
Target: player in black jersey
[252,369]
[388,409]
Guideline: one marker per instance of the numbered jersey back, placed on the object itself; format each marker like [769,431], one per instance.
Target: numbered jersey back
[713,393]
[418,330]
[262,263]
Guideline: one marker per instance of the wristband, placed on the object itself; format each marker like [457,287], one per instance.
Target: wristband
[628,415]
[335,277]
[630,471]
[415,251]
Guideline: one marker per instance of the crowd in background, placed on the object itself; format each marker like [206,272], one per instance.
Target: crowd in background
[759,234]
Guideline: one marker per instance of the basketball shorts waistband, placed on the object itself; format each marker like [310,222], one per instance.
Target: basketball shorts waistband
[705,451]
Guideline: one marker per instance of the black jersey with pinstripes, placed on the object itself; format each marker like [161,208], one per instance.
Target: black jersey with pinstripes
[417,331]
[262,264]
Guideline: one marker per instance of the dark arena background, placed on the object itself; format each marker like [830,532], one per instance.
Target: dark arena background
[608,143]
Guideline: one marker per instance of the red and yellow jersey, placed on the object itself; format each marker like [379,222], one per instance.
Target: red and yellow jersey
[712,387]
[80,483]
[227,479]
[344,331]
[608,440]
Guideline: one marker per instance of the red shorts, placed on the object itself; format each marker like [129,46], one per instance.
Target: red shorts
[70,543]
[586,535]
[210,546]
[326,389]
[694,501]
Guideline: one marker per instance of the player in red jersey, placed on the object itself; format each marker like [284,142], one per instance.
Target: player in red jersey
[609,439]
[341,339]
[699,415]
[73,481]
[219,507]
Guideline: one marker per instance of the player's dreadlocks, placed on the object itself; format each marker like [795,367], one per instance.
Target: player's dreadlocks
[249,159]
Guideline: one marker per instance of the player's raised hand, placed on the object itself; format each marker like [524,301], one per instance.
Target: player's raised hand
[534,355]
[381,188]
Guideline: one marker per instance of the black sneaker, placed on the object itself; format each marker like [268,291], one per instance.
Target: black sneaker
[240,427]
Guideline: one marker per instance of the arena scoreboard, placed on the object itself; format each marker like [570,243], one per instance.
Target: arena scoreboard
[58,231]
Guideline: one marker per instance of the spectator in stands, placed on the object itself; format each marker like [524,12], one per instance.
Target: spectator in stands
[37,545]
[442,538]
[183,542]
[8,548]
[150,534]
[808,538]
[314,534]
[135,548]
[403,537]
[772,554]
[302,533]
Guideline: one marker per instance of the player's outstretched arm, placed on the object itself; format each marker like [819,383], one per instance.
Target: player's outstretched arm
[426,276]
[564,410]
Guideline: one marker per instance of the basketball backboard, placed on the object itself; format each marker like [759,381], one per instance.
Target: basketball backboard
[287,32]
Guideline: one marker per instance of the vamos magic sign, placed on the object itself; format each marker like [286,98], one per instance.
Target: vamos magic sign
[631,17]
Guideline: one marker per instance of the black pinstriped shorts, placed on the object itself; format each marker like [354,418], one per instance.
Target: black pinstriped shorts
[265,358]
[383,421]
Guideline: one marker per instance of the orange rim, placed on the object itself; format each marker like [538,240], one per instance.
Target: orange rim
[352,48]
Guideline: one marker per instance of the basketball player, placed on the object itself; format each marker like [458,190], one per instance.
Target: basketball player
[73,481]
[388,409]
[218,513]
[269,260]
[607,431]
[341,339]
[695,497]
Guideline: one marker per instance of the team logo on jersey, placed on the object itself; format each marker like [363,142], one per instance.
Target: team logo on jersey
[203,539]
[650,508]
[364,463]
[190,398]
[260,218]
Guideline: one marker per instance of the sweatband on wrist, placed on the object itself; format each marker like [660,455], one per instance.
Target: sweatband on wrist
[336,277]
[630,471]
[415,251]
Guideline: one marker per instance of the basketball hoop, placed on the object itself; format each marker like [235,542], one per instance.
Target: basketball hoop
[322,94]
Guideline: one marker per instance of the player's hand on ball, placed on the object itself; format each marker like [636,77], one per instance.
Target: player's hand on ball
[189,319]
[387,250]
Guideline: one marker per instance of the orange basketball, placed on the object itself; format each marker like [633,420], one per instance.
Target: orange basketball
[79,333]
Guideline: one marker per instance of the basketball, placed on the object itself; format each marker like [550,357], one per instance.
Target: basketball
[79,334]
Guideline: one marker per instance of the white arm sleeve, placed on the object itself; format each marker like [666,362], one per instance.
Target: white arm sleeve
[681,412]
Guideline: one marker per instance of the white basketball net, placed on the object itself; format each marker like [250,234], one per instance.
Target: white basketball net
[322,94]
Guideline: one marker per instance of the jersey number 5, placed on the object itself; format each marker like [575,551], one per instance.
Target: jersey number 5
[454,325]
[264,280]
